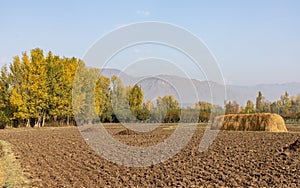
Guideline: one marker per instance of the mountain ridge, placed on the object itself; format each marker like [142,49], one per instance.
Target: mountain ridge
[160,85]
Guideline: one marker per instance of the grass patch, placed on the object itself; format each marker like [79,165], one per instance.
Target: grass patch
[11,174]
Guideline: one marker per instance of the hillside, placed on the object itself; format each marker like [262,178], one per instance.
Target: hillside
[170,84]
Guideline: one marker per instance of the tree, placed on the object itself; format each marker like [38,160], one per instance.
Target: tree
[70,66]
[19,97]
[92,90]
[37,87]
[148,105]
[78,93]
[295,108]
[274,108]
[5,111]
[119,100]
[231,107]
[249,109]
[143,114]
[242,110]
[285,103]
[262,106]
[259,102]
[236,107]
[267,107]
[136,97]
[172,116]
[56,86]
[169,108]
[205,110]
[170,102]
[102,98]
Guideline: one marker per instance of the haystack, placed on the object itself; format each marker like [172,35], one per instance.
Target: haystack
[250,122]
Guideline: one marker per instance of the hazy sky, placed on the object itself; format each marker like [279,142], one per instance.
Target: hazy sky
[254,41]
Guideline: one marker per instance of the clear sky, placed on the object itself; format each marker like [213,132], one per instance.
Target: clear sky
[254,41]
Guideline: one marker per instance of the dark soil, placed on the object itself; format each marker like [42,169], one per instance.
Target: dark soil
[295,146]
[59,157]
[127,132]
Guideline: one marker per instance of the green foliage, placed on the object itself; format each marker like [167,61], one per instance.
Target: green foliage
[102,97]
[259,102]
[19,96]
[172,115]
[262,106]
[142,114]
[285,103]
[136,97]
[249,109]
[167,109]
[120,100]
[5,111]
[205,110]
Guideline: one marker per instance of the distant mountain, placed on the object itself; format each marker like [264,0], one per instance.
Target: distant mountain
[189,91]
[126,79]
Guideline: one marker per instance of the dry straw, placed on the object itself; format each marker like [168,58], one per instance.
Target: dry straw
[11,174]
[250,122]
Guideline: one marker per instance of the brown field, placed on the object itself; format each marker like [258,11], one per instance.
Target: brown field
[59,157]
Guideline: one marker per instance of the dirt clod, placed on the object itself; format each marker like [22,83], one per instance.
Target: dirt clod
[295,146]
[127,132]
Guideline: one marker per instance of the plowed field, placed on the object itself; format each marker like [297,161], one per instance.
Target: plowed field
[59,157]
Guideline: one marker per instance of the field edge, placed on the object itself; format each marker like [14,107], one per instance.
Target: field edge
[11,173]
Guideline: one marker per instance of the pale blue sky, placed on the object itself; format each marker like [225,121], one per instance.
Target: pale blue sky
[254,41]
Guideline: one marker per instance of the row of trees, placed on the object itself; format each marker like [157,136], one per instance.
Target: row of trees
[36,90]
[288,107]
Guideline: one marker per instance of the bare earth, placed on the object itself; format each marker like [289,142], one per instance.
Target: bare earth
[59,157]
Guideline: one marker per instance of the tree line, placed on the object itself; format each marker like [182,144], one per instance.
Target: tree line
[37,90]
[287,106]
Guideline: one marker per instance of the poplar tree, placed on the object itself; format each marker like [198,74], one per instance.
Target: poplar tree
[5,111]
[286,103]
[37,87]
[259,102]
[136,97]
[19,97]
[55,82]
[102,98]
[249,109]
[120,100]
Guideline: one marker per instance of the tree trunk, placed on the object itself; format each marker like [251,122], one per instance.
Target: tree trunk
[44,117]
[28,122]
[38,122]
[68,120]
[55,120]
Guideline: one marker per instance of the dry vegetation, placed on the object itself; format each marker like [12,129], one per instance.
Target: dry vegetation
[11,174]
[250,122]
[2,172]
